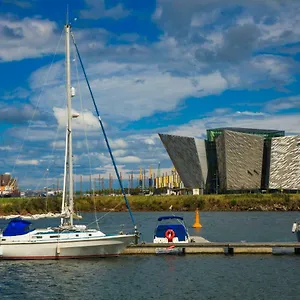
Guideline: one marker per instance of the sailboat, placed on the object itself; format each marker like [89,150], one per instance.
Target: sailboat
[67,240]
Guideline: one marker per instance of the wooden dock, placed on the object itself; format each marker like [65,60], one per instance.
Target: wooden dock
[219,248]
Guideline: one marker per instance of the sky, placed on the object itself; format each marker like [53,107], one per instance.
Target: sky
[155,66]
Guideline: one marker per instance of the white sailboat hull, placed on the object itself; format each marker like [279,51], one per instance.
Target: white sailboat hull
[96,247]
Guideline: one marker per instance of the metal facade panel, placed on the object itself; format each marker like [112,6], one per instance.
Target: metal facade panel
[201,150]
[183,153]
[240,158]
[285,163]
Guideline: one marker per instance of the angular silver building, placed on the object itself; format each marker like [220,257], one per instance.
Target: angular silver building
[240,161]
[236,160]
[189,159]
[285,163]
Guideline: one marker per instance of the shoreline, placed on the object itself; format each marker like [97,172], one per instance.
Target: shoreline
[228,202]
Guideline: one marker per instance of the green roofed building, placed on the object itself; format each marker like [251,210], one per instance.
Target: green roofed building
[212,134]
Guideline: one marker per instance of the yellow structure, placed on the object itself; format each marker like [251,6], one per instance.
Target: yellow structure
[170,181]
[197,220]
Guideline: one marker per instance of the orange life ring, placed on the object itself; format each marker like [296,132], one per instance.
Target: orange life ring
[170,234]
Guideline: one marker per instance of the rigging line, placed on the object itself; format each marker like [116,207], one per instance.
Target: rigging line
[39,182]
[85,135]
[104,133]
[38,101]
[50,165]
[102,217]
[51,162]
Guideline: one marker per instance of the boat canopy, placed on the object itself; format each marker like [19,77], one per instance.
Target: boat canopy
[17,226]
[169,217]
[179,230]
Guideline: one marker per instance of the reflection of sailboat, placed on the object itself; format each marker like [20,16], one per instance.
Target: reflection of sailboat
[18,241]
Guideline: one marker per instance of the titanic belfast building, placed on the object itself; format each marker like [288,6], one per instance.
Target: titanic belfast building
[236,160]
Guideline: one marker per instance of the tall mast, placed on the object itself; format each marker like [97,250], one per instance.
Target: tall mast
[69,126]
[63,203]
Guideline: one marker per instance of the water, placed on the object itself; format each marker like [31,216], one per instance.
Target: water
[168,277]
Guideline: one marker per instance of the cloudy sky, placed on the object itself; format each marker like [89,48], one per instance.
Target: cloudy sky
[155,66]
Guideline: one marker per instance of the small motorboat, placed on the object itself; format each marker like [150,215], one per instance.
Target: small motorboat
[171,229]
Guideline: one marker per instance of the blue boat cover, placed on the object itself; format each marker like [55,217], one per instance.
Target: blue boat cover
[17,226]
[169,217]
[179,229]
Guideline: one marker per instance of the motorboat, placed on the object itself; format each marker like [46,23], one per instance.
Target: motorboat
[171,229]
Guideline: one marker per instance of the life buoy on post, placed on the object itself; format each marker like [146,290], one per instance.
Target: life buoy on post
[170,234]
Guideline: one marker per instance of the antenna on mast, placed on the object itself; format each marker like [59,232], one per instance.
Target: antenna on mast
[67,15]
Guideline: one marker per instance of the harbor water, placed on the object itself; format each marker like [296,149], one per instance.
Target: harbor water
[167,277]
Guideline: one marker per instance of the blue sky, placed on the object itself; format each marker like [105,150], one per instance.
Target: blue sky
[167,66]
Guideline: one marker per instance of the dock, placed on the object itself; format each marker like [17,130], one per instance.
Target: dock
[218,248]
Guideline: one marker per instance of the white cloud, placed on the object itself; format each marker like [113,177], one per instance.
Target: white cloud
[289,123]
[134,94]
[17,93]
[6,148]
[22,4]
[32,162]
[26,38]
[119,153]
[97,9]
[58,144]
[85,121]
[129,159]
[283,103]
[249,113]
[157,14]
[118,143]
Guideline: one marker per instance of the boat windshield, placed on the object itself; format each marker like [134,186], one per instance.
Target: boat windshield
[170,220]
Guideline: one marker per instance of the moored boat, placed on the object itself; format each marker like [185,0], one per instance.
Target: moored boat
[171,229]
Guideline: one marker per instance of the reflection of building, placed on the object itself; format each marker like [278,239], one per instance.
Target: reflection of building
[236,159]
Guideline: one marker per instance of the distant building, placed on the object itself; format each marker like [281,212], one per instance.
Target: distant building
[189,158]
[8,186]
[240,160]
[236,160]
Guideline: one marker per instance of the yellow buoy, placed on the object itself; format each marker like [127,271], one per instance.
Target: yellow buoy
[197,220]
